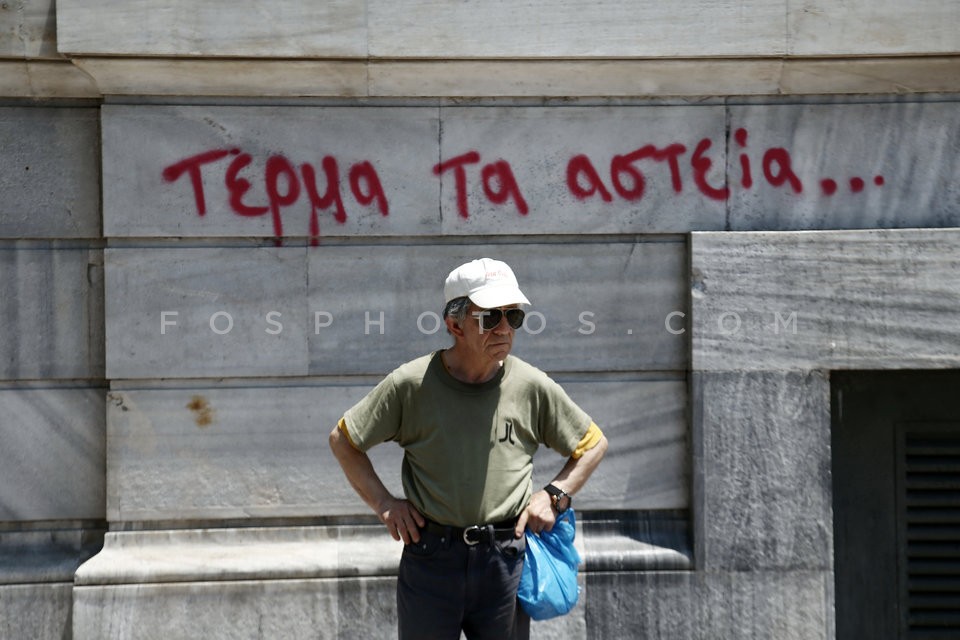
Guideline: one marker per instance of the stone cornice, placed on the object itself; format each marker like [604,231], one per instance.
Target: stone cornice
[93,77]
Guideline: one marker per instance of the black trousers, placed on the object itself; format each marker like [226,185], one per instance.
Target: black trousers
[446,586]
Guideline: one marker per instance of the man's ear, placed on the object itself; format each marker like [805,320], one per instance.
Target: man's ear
[453,328]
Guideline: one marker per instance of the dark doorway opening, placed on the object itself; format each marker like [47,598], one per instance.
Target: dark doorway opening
[896,504]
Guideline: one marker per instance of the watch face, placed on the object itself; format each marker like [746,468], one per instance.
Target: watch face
[559,499]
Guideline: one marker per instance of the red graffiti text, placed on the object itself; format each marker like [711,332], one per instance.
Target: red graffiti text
[253,188]
[283,186]
[497,174]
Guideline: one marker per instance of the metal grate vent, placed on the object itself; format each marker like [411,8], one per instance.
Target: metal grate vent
[929,519]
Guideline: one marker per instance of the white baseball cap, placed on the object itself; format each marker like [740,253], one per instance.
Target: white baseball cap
[487,282]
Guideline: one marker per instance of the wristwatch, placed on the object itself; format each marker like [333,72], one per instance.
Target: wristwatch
[558,498]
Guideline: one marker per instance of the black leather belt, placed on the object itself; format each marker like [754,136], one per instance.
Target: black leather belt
[475,534]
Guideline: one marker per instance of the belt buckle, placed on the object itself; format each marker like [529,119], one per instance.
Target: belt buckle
[466,535]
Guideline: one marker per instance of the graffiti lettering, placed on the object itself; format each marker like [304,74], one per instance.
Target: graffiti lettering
[627,180]
[499,171]
[581,166]
[746,178]
[253,188]
[701,165]
[784,173]
[283,186]
[192,166]
[331,196]
[364,171]
[279,166]
[238,187]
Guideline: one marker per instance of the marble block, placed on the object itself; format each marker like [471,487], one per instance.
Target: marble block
[53,459]
[565,29]
[796,605]
[52,312]
[204,312]
[763,498]
[871,27]
[838,300]
[647,465]
[595,306]
[844,166]
[244,28]
[280,171]
[36,611]
[225,452]
[580,169]
[28,29]
[240,610]
[50,181]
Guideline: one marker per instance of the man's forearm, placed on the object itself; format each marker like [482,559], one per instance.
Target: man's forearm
[539,514]
[402,520]
[577,471]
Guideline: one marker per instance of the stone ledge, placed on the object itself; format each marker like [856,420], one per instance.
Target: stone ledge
[302,553]
[89,77]
[45,556]
[206,555]
[41,79]
[650,541]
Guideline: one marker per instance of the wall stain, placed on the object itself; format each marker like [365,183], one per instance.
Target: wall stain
[203,413]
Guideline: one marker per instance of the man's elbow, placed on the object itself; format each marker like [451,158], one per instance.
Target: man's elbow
[601,448]
[341,444]
[337,442]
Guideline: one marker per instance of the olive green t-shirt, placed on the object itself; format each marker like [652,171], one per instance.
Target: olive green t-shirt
[468,448]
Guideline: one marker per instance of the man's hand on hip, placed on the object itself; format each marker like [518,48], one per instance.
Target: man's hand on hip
[402,520]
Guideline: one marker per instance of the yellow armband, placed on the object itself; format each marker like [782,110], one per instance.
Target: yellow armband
[342,425]
[589,441]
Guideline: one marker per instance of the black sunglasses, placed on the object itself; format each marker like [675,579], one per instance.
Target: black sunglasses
[490,318]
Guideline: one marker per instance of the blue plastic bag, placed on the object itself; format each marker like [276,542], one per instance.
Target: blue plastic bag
[548,584]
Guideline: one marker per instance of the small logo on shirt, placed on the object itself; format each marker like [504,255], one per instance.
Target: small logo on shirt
[507,433]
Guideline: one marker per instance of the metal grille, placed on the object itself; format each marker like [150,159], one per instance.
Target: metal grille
[929,510]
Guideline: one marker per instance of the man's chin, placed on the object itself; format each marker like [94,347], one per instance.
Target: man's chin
[500,353]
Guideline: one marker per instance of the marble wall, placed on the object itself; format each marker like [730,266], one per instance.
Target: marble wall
[191,297]
[52,389]
[190,398]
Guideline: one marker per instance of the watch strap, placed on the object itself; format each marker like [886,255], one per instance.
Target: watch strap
[557,496]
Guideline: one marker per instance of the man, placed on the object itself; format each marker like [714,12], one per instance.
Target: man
[469,419]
